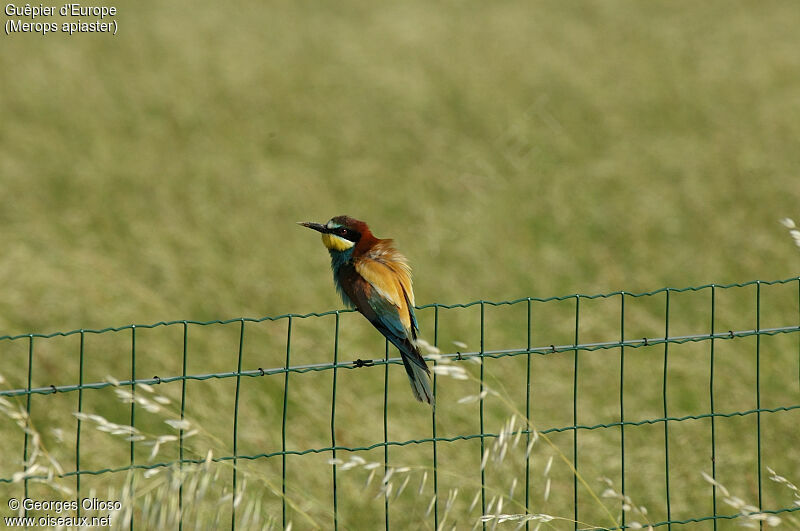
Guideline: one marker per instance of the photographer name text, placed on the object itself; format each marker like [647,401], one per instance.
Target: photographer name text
[57,512]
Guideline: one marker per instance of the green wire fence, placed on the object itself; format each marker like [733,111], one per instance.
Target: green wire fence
[613,365]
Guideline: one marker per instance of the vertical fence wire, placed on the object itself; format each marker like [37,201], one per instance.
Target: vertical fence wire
[27,415]
[133,407]
[133,394]
[283,420]
[333,423]
[528,424]
[575,416]
[183,415]
[666,422]
[713,410]
[433,423]
[758,394]
[78,429]
[483,442]
[236,423]
[622,398]
[386,433]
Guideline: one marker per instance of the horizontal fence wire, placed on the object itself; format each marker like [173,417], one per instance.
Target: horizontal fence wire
[487,435]
[624,345]
[713,518]
[359,363]
[422,307]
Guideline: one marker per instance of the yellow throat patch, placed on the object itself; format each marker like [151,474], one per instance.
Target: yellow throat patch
[336,243]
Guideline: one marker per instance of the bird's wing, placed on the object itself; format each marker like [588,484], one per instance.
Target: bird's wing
[391,296]
[381,290]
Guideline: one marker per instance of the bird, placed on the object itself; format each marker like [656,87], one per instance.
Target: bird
[373,277]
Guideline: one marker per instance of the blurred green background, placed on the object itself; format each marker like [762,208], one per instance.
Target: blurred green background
[511,149]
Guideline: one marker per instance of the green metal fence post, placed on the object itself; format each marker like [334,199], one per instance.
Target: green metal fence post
[664,398]
[575,415]
[758,394]
[528,422]
[483,440]
[713,410]
[78,429]
[622,398]
[386,432]
[287,364]
[236,424]
[133,410]
[433,424]
[27,415]
[333,423]
[181,433]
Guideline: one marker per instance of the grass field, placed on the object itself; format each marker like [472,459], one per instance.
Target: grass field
[511,149]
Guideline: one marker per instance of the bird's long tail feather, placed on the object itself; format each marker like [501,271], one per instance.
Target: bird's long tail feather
[420,384]
[418,373]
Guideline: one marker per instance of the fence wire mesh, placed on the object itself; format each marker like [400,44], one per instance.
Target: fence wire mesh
[648,389]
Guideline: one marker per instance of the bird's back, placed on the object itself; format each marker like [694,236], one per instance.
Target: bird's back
[389,275]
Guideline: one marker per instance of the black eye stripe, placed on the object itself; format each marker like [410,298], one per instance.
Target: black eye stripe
[347,234]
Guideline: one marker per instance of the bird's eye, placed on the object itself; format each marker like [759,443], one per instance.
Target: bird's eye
[342,232]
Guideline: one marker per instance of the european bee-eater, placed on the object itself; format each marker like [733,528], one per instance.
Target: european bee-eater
[375,279]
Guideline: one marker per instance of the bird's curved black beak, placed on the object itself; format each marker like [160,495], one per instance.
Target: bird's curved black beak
[316,226]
